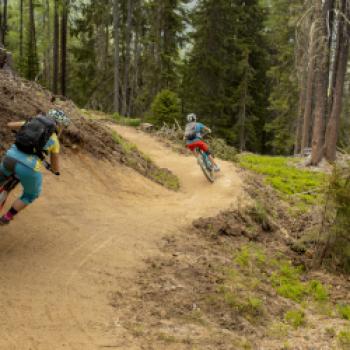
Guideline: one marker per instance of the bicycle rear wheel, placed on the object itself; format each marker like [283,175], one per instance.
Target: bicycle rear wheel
[206,169]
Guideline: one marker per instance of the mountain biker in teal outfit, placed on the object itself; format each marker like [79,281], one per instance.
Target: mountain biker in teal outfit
[27,166]
[194,132]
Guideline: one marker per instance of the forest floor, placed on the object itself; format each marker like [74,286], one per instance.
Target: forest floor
[107,258]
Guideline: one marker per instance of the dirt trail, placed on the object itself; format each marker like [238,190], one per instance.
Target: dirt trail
[64,258]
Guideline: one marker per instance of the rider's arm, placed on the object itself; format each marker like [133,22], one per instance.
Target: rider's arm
[54,150]
[207,130]
[15,125]
[55,162]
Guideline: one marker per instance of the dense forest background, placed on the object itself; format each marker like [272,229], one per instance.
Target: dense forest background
[269,76]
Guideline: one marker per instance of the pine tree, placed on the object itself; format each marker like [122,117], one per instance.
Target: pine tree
[225,78]
[281,23]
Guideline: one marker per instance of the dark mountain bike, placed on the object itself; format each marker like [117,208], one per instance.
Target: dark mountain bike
[206,165]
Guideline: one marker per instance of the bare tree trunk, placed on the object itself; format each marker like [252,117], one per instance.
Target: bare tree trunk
[305,139]
[116,55]
[243,109]
[56,38]
[299,126]
[1,26]
[21,55]
[135,79]
[32,66]
[4,24]
[64,29]
[321,83]
[334,68]
[334,120]
[127,58]
[3,21]
[47,52]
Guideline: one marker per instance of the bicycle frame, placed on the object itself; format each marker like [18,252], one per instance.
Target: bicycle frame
[206,165]
[10,183]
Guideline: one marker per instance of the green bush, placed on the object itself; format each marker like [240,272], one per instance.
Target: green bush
[166,107]
[334,244]
[221,149]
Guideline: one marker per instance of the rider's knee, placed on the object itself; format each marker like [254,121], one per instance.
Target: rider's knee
[29,198]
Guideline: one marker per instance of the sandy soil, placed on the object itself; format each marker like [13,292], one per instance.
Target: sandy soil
[87,236]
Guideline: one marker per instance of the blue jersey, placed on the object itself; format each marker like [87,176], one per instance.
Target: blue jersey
[30,160]
[199,129]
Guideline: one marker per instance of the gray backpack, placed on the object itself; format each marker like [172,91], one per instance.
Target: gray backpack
[190,131]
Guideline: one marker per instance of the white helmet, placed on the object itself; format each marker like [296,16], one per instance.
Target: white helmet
[191,117]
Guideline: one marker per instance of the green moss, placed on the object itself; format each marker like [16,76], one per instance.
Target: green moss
[299,186]
[295,318]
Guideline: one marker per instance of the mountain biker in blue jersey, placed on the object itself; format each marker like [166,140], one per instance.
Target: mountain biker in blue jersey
[27,166]
[194,132]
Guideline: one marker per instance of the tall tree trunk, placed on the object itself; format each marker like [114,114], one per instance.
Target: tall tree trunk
[243,106]
[321,83]
[134,86]
[4,24]
[48,50]
[116,16]
[299,126]
[127,58]
[64,25]
[334,68]
[334,120]
[21,55]
[56,38]
[32,66]
[1,28]
[305,139]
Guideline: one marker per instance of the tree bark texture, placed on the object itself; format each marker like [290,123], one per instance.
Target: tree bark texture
[64,30]
[334,119]
[321,88]
[305,139]
[116,16]
[56,38]
[127,58]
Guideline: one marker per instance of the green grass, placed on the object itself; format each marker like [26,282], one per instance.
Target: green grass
[295,185]
[134,122]
[344,338]
[295,318]
[344,311]
[127,146]
[166,178]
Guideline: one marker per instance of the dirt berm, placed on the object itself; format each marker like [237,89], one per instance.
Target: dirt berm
[63,259]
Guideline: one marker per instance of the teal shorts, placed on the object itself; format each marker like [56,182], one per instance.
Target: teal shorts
[30,180]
